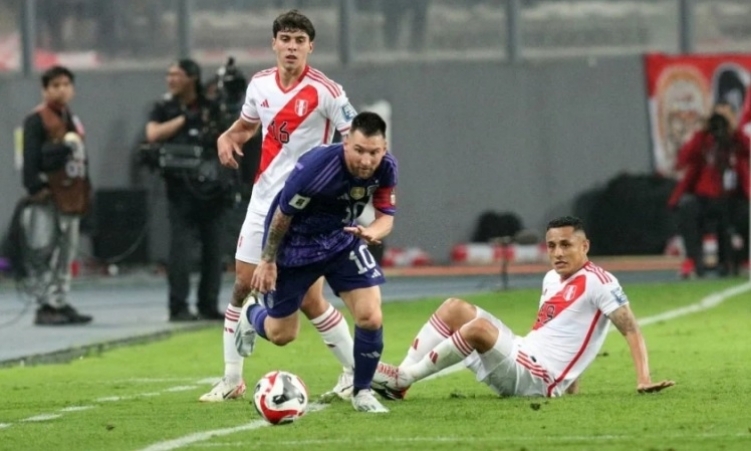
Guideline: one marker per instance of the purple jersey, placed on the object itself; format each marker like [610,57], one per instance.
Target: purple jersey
[323,198]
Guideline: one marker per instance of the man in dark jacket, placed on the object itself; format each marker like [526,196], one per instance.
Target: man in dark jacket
[197,204]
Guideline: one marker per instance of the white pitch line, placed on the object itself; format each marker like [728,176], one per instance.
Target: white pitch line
[43,417]
[711,301]
[76,408]
[107,399]
[181,388]
[112,398]
[178,388]
[203,436]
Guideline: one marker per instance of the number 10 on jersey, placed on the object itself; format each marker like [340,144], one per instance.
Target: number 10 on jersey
[363,259]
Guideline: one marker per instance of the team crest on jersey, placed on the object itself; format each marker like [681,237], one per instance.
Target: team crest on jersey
[357,192]
[569,293]
[301,107]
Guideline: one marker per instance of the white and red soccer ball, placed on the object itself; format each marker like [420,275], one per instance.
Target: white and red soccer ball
[280,397]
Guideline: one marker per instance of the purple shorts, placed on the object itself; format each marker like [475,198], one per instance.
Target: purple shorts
[349,269]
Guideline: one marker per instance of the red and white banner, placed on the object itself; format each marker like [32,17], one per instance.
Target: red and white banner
[10,56]
[681,92]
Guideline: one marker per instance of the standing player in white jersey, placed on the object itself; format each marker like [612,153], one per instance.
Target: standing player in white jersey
[298,108]
[578,302]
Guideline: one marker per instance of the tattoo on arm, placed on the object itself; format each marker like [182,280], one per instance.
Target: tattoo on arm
[624,320]
[277,229]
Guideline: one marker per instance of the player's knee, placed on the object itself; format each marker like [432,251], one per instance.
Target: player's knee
[451,306]
[372,320]
[280,337]
[456,312]
[281,331]
[480,333]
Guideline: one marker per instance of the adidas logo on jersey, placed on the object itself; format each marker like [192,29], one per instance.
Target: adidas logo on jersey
[265,103]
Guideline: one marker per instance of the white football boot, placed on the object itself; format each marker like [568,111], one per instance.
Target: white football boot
[245,333]
[390,382]
[364,401]
[245,341]
[223,391]
[343,388]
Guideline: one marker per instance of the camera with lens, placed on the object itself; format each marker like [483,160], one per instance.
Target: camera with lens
[193,155]
[194,158]
[230,92]
[719,127]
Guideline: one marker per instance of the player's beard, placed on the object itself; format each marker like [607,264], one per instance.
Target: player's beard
[364,174]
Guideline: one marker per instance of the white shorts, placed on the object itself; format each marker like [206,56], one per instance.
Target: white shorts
[510,368]
[250,241]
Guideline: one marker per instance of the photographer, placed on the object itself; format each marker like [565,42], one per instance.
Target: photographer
[713,191]
[197,197]
[55,177]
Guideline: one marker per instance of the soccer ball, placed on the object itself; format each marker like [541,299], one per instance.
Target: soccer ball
[280,397]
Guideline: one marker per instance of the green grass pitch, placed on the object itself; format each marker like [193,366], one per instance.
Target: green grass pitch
[143,396]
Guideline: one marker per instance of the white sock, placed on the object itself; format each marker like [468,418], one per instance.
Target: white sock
[432,333]
[449,352]
[233,362]
[335,333]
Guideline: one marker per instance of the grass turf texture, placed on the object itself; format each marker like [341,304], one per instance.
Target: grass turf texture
[156,389]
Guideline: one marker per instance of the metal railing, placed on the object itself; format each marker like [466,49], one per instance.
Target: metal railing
[105,34]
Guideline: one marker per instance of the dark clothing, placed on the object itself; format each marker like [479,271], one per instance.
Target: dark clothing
[721,216]
[324,197]
[197,206]
[34,138]
[712,196]
[348,269]
[199,119]
[188,215]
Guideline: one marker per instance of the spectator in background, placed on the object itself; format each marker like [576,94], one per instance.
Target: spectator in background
[712,195]
[394,11]
[52,15]
[55,177]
